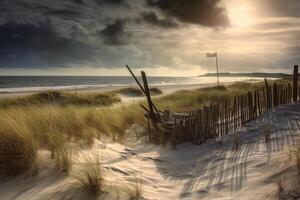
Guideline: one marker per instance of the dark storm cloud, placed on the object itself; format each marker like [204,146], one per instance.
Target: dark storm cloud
[114,34]
[31,46]
[113,2]
[88,33]
[203,12]
[63,12]
[100,1]
[116,57]
[78,32]
[152,18]
[78,1]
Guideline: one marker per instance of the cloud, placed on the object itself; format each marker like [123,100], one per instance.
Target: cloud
[278,24]
[63,12]
[147,33]
[113,2]
[114,34]
[280,8]
[78,1]
[152,18]
[31,46]
[119,56]
[100,2]
[294,50]
[204,12]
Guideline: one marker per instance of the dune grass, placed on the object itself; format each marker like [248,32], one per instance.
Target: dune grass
[131,91]
[155,91]
[63,99]
[18,149]
[281,183]
[136,92]
[63,159]
[75,99]
[134,190]
[23,130]
[89,175]
[297,152]
[187,100]
[32,126]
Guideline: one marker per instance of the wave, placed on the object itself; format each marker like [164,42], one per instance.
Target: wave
[45,88]
[154,82]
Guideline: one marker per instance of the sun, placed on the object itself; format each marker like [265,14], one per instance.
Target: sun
[240,13]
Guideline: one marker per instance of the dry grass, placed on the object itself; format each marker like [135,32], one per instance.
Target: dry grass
[134,190]
[136,92]
[297,152]
[49,120]
[89,175]
[281,183]
[51,127]
[131,91]
[155,91]
[187,100]
[294,152]
[63,99]
[63,159]
[18,149]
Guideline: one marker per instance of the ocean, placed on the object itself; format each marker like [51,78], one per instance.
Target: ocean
[10,84]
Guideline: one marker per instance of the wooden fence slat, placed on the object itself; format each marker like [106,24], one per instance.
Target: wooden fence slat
[224,117]
[295,83]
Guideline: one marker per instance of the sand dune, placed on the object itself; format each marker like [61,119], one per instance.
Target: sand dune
[213,170]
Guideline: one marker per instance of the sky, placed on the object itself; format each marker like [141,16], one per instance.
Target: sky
[162,37]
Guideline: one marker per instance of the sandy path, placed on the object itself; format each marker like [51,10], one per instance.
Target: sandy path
[208,171]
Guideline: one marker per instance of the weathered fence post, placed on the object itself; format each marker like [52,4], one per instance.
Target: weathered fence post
[259,103]
[267,93]
[275,94]
[295,83]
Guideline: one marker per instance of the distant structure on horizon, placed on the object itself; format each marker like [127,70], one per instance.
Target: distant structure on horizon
[254,74]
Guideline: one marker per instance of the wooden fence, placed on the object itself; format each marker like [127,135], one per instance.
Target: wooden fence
[225,116]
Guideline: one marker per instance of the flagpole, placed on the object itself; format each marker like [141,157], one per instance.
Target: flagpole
[217,66]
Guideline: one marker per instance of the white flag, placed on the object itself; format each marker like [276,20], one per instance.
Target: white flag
[211,55]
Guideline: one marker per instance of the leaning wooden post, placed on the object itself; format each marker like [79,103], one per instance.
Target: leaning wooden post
[147,93]
[295,83]
[141,87]
[150,104]
[137,81]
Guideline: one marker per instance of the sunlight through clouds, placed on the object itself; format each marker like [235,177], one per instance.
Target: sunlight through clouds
[263,34]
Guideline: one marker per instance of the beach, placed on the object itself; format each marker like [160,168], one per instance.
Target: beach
[166,89]
[87,146]
[213,170]
[149,100]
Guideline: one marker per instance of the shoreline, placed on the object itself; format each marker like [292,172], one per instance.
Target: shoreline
[166,89]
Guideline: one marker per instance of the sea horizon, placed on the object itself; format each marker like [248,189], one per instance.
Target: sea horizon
[11,84]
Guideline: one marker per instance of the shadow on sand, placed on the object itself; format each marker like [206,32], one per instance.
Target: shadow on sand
[218,166]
